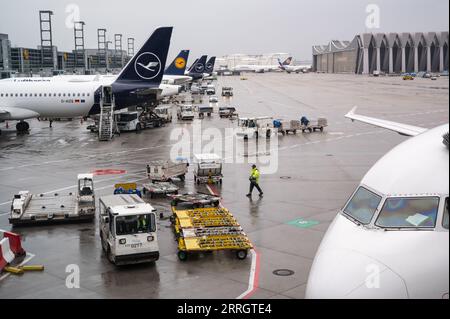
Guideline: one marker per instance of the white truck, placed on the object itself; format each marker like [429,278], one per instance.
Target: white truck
[137,120]
[208,168]
[164,112]
[227,91]
[210,89]
[128,230]
[29,209]
[166,171]
[255,127]
[186,113]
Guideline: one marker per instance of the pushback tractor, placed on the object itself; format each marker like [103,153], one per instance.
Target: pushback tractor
[128,230]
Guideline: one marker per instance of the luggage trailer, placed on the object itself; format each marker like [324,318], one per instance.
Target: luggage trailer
[29,209]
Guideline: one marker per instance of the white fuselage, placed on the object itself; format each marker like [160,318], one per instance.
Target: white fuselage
[64,96]
[30,98]
[398,245]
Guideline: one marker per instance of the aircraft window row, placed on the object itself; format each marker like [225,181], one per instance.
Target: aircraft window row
[45,95]
[421,212]
[363,205]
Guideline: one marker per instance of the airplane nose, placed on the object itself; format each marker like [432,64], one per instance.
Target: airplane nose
[345,274]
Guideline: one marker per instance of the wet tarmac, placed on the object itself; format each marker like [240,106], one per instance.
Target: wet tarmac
[313,175]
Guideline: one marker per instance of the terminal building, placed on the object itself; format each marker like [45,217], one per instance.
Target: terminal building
[29,61]
[390,53]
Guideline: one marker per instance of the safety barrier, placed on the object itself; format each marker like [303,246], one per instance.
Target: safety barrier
[10,248]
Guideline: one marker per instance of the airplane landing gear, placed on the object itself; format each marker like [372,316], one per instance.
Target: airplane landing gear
[22,127]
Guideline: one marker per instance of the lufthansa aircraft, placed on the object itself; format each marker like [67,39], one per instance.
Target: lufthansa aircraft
[174,73]
[391,239]
[137,84]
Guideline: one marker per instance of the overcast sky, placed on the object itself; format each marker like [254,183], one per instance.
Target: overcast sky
[218,27]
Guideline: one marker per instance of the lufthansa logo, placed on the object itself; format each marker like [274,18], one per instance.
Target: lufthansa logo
[147,66]
[209,66]
[199,67]
[180,63]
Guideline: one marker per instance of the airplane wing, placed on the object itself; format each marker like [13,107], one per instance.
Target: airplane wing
[402,129]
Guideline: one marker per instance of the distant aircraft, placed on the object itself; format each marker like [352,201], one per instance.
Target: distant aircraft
[286,66]
[197,70]
[209,68]
[258,68]
[175,72]
[391,239]
[22,99]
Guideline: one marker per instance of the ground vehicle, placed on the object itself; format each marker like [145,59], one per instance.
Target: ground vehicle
[185,113]
[159,188]
[408,77]
[191,201]
[255,127]
[227,111]
[128,230]
[202,110]
[29,209]
[227,91]
[203,230]
[214,99]
[195,89]
[313,125]
[164,112]
[208,168]
[137,120]
[163,171]
[210,89]
[285,127]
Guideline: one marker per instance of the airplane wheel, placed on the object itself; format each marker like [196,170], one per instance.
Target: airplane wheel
[22,126]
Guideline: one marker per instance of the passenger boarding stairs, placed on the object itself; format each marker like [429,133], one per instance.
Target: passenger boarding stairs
[107,124]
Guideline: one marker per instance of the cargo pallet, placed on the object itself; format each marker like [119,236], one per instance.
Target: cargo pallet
[207,230]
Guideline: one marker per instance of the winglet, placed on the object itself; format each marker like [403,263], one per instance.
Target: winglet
[402,129]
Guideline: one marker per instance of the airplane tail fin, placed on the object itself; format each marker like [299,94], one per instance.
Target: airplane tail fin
[193,65]
[147,65]
[178,65]
[288,61]
[210,65]
[199,66]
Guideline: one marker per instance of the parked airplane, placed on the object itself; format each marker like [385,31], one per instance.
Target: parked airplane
[286,66]
[391,239]
[137,84]
[258,68]
[197,70]
[175,72]
[209,68]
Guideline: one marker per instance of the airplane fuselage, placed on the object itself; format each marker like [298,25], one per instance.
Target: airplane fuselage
[47,98]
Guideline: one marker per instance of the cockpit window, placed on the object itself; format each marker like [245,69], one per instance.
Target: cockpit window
[446,217]
[363,205]
[409,213]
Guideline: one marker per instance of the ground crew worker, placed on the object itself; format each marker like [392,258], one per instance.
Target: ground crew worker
[142,223]
[254,181]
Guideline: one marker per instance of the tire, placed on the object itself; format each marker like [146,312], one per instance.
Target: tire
[310,130]
[138,128]
[182,255]
[241,254]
